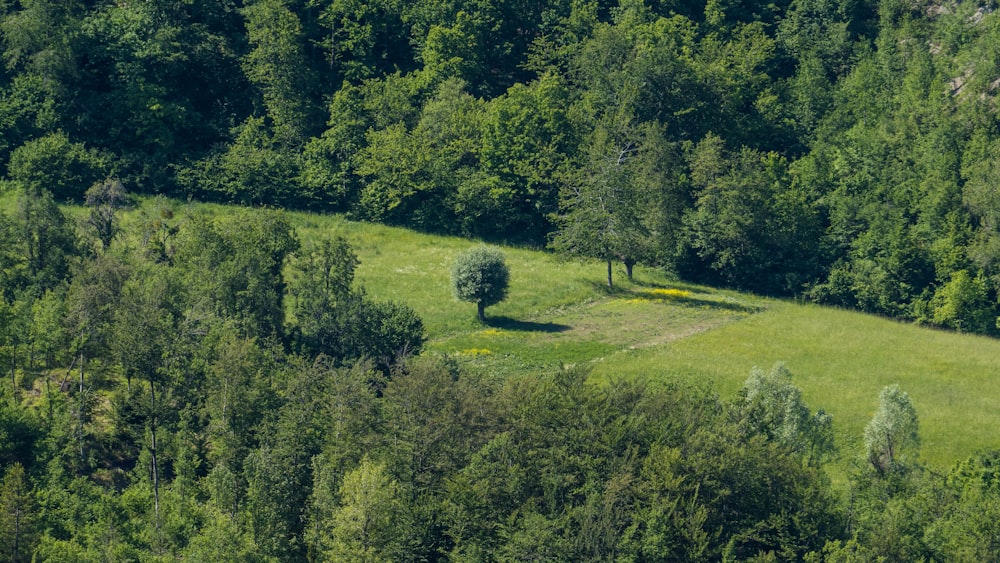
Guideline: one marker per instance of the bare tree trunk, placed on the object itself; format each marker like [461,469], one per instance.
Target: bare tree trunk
[48,396]
[13,370]
[64,384]
[482,311]
[79,410]
[629,263]
[152,450]
[16,556]
[610,285]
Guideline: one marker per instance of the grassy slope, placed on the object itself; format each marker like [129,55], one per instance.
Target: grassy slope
[559,312]
[841,360]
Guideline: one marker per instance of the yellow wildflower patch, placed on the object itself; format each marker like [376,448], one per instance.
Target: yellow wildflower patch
[475,352]
[492,332]
[670,293]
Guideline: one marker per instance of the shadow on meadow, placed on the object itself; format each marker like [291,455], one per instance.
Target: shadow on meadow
[507,323]
[688,298]
[602,287]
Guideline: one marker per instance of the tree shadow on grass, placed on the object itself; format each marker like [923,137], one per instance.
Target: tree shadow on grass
[602,287]
[679,294]
[507,323]
[677,284]
[723,305]
[700,301]
[693,297]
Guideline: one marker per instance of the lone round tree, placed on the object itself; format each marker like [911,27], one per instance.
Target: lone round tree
[480,276]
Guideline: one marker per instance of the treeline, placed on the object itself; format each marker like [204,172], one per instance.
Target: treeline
[837,150]
[209,388]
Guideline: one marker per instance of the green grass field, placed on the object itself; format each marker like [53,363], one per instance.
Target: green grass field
[560,312]
[841,360]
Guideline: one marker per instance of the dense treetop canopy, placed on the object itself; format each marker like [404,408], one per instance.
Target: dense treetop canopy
[840,150]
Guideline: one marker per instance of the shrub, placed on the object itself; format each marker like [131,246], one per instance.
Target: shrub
[56,164]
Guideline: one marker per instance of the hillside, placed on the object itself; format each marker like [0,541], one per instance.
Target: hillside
[248,384]
[203,359]
[656,328]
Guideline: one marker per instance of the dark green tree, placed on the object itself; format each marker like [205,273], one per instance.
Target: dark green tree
[361,40]
[411,174]
[750,227]
[253,169]
[46,239]
[278,66]
[234,266]
[18,516]
[604,211]
[152,81]
[527,143]
[334,319]
[440,416]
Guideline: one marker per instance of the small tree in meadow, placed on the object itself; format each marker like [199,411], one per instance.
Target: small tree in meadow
[480,276]
[892,438]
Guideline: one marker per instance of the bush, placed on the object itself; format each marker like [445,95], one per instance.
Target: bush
[55,164]
[383,331]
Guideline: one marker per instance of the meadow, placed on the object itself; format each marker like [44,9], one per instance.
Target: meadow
[561,312]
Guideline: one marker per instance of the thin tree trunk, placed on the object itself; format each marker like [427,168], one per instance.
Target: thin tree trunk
[13,370]
[610,285]
[80,409]
[482,311]
[64,384]
[629,263]
[48,396]
[17,533]
[156,481]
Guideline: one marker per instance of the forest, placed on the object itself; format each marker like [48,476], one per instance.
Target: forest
[836,151]
[218,389]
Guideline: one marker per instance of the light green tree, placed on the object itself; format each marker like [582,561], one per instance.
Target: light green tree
[277,65]
[771,405]
[222,539]
[891,438]
[104,199]
[56,164]
[367,524]
[963,304]
[480,275]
